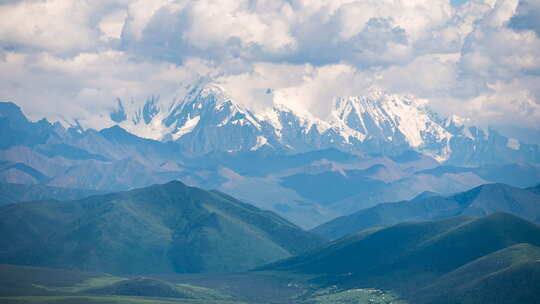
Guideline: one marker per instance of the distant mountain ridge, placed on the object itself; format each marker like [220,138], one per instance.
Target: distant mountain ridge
[464,259]
[277,179]
[159,229]
[483,200]
[13,193]
[207,120]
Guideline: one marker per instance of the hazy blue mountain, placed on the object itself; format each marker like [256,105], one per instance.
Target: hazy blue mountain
[260,163]
[111,159]
[116,175]
[13,193]
[20,173]
[70,152]
[142,146]
[347,191]
[15,129]
[517,174]
[309,188]
[482,200]
[445,180]
[331,186]
[160,229]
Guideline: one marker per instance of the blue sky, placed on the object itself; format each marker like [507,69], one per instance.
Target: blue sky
[458,2]
[480,60]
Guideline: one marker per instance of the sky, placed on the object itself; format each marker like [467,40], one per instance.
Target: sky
[71,59]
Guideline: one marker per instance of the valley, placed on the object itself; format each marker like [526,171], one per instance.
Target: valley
[270,152]
[110,216]
[308,188]
[413,269]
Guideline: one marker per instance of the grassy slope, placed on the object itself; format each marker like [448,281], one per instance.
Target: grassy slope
[388,214]
[510,275]
[480,201]
[23,284]
[24,280]
[105,300]
[365,250]
[159,229]
[493,259]
[407,256]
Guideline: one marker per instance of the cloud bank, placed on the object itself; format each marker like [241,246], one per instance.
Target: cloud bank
[68,59]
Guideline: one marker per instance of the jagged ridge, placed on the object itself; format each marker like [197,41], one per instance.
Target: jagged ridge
[208,120]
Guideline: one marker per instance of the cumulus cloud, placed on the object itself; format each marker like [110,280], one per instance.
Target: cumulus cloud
[475,58]
[56,26]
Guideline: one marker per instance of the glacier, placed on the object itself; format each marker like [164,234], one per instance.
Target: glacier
[207,120]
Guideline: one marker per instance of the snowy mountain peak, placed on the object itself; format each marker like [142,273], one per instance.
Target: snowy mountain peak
[207,93]
[377,117]
[390,117]
[282,116]
[206,119]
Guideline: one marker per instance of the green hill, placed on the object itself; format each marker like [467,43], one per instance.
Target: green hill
[368,250]
[408,256]
[160,229]
[151,287]
[480,201]
[26,284]
[510,275]
[464,259]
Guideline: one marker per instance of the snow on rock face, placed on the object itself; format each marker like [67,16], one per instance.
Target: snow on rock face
[188,126]
[391,118]
[144,121]
[261,141]
[207,120]
[513,144]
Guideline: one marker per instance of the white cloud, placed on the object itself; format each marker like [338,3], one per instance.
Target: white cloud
[79,87]
[504,103]
[214,23]
[112,25]
[54,25]
[480,59]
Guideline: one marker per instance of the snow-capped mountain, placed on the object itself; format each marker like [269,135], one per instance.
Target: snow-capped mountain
[207,120]
[299,186]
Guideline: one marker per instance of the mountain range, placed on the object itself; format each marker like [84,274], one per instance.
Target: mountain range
[464,259]
[483,200]
[308,188]
[206,120]
[14,193]
[169,228]
[175,242]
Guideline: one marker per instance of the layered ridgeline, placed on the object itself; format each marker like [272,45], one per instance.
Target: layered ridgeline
[482,200]
[307,188]
[160,229]
[207,120]
[493,259]
[13,193]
